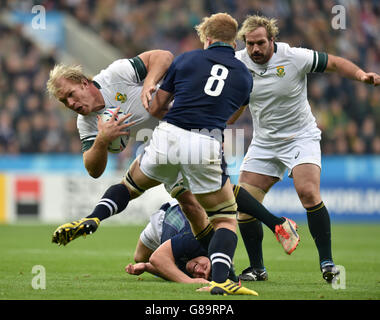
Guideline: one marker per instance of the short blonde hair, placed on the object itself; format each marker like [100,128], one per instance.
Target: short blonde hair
[251,23]
[219,26]
[73,73]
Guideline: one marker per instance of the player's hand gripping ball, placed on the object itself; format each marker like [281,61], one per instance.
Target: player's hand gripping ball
[120,143]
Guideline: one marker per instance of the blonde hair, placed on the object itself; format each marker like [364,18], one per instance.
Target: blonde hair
[251,23]
[73,73]
[219,26]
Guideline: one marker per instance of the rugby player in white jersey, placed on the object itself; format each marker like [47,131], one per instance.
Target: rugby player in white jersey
[126,84]
[285,134]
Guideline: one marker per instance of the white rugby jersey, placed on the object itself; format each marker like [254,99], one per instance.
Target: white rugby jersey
[120,85]
[278,102]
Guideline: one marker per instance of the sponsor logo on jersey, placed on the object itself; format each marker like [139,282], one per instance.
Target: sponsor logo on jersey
[121,97]
[280,71]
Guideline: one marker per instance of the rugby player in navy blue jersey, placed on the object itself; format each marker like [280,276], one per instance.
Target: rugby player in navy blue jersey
[167,248]
[208,87]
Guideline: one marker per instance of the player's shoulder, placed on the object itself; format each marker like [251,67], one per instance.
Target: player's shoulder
[243,60]
[286,50]
[240,54]
[243,56]
[190,54]
[118,69]
[115,65]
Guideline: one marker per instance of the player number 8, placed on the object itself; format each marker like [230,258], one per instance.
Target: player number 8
[218,76]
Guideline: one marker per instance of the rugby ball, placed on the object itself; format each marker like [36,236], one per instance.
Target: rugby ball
[120,143]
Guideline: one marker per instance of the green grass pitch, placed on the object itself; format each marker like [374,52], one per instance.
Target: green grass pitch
[93,267]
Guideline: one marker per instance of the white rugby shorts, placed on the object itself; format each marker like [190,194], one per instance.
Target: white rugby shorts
[151,235]
[274,160]
[197,157]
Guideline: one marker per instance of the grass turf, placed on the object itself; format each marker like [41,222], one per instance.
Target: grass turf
[93,268]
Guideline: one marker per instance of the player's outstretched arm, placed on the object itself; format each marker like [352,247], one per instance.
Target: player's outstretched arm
[157,63]
[350,70]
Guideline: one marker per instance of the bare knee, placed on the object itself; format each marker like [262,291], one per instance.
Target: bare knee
[309,195]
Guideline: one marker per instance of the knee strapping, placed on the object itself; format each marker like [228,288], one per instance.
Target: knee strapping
[177,190]
[225,209]
[255,192]
[131,185]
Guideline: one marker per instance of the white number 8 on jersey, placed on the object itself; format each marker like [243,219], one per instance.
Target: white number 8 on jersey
[218,76]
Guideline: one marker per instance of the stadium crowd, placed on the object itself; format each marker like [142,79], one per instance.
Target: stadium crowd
[348,112]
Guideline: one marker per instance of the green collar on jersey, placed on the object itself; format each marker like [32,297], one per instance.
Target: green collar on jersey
[219,44]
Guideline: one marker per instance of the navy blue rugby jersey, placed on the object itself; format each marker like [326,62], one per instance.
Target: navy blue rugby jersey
[177,228]
[208,86]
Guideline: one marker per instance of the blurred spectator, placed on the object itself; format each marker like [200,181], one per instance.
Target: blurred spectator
[347,112]
[368,133]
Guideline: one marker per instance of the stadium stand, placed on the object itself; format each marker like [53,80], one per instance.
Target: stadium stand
[347,112]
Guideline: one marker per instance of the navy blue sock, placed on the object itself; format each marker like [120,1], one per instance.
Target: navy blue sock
[320,228]
[114,200]
[249,205]
[252,233]
[221,252]
[205,236]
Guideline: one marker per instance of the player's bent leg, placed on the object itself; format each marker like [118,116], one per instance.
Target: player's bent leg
[256,183]
[202,229]
[251,231]
[114,201]
[256,192]
[137,181]
[221,210]
[219,204]
[193,211]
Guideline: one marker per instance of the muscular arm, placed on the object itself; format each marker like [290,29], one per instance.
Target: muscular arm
[157,63]
[162,264]
[160,104]
[95,158]
[350,70]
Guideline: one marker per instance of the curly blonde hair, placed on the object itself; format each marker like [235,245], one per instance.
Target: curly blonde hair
[251,23]
[73,73]
[219,26]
